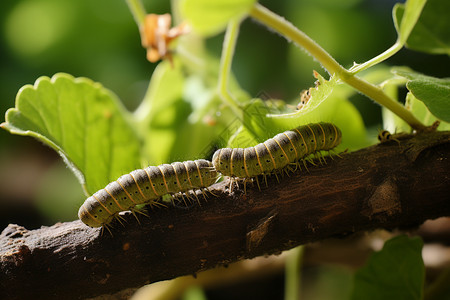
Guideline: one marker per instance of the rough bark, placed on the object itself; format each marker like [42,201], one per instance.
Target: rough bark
[391,185]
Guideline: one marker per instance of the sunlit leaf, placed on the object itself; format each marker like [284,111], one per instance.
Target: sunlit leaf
[404,25]
[433,92]
[431,33]
[211,17]
[83,121]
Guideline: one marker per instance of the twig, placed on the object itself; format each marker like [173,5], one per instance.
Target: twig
[384,186]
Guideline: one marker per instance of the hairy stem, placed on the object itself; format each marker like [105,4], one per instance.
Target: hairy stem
[288,30]
[377,94]
[292,33]
[226,59]
[377,59]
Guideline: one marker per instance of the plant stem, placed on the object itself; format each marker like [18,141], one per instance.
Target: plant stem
[378,59]
[292,33]
[377,94]
[293,267]
[137,10]
[229,44]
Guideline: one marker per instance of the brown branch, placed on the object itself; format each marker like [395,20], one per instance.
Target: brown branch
[384,186]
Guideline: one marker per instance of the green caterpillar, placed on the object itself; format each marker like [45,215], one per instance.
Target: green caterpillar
[145,186]
[278,152]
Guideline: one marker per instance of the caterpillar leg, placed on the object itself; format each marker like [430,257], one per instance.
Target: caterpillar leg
[177,197]
[135,216]
[230,188]
[198,200]
[106,226]
[189,196]
[310,160]
[317,156]
[158,204]
[119,218]
[245,186]
[340,156]
[139,211]
[257,182]
[330,154]
[287,170]
[323,157]
[304,164]
[208,191]
[276,176]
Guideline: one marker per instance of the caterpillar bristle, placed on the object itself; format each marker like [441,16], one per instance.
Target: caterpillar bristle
[135,216]
[119,219]
[106,226]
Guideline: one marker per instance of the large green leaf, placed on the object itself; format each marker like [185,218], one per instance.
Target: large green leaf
[422,113]
[431,33]
[263,121]
[328,103]
[433,92]
[84,122]
[404,25]
[210,17]
[396,272]
[177,117]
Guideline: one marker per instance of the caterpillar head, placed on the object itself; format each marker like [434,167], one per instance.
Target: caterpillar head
[221,159]
[93,214]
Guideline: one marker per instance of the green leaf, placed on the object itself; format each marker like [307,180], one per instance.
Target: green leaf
[162,107]
[84,122]
[412,10]
[177,115]
[431,34]
[395,272]
[328,103]
[433,92]
[318,95]
[211,17]
[255,127]
[391,121]
[260,122]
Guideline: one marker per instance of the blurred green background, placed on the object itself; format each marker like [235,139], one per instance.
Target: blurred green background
[99,40]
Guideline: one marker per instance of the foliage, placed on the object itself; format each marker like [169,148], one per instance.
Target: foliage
[194,104]
[395,272]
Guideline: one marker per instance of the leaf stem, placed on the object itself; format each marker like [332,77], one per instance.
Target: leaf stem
[377,59]
[292,33]
[229,44]
[137,10]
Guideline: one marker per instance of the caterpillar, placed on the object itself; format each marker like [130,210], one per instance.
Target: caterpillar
[145,186]
[278,152]
[385,136]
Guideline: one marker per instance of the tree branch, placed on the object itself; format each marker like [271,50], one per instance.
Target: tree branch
[387,186]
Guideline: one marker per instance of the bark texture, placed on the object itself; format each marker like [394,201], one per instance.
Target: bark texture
[391,185]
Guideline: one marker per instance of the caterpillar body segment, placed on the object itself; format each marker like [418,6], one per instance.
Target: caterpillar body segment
[145,186]
[278,152]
